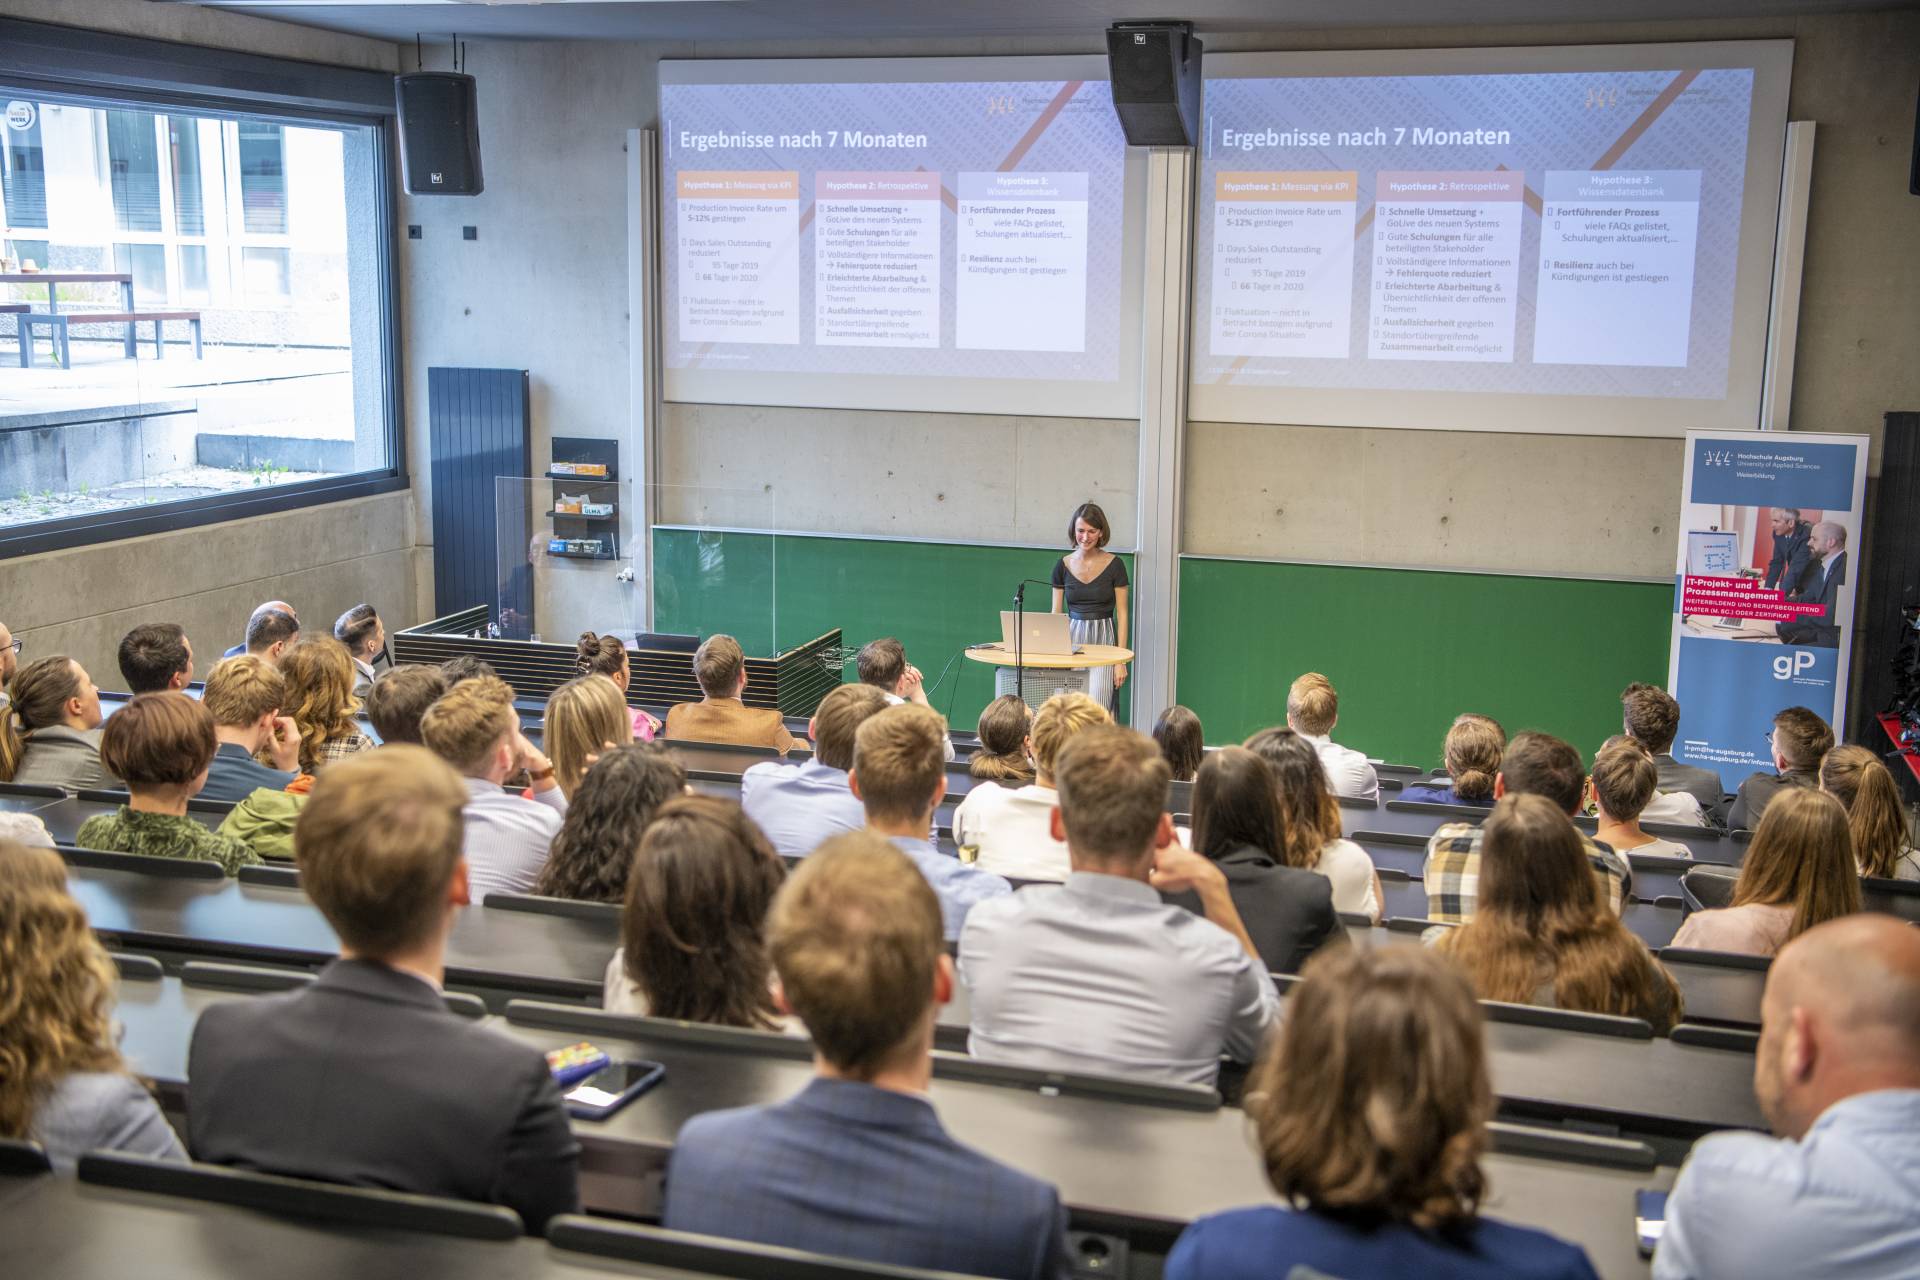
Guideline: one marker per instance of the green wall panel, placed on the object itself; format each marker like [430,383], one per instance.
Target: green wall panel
[1409,650]
[936,597]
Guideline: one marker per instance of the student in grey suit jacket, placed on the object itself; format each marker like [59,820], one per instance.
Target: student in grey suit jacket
[857,1164]
[365,1077]
[55,711]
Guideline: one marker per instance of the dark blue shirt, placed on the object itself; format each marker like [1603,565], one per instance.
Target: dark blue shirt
[1265,1242]
[1434,793]
[234,775]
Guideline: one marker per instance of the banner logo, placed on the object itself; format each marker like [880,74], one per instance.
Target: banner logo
[1787,666]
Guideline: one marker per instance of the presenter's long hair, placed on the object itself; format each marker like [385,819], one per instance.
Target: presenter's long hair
[1541,918]
[1309,812]
[1801,857]
[56,986]
[1855,777]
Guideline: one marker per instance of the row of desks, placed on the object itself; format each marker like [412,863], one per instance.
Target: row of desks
[1141,1169]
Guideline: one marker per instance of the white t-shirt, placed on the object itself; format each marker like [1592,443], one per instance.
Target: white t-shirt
[1665,848]
[1679,807]
[1011,831]
[1347,865]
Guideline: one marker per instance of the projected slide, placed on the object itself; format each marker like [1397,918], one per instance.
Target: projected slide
[880,242]
[1408,244]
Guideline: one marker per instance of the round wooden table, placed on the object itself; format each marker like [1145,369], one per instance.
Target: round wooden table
[1090,655]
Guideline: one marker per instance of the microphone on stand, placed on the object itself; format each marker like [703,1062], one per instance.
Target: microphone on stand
[1019,634]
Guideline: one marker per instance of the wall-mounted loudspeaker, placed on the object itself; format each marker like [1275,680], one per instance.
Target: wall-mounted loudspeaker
[1155,71]
[439,133]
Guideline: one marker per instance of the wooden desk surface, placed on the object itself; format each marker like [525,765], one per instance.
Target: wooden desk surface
[1090,655]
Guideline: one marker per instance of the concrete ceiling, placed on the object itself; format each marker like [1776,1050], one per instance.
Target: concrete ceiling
[763,20]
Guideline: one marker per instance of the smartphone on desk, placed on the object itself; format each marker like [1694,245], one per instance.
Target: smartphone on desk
[1649,1219]
[611,1088]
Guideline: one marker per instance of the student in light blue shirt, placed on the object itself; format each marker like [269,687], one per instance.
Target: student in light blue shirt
[899,776]
[1837,1193]
[801,806]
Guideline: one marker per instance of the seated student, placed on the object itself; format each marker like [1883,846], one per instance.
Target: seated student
[1288,911]
[1010,831]
[1836,1194]
[155,657]
[1179,735]
[1877,821]
[1541,934]
[52,727]
[365,1077]
[857,1164]
[244,696]
[585,717]
[899,776]
[400,697]
[1620,787]
[1651,716]
[1099,975]
[1310,822]
[1370,1109]
[1800,740]
[1536,764]
[1799,872]
[321,704]
[161,743]
[1005,753]
[466,666]
[1313,709]
[270,635]
[720,716]
[883,664]
[606,816]
[365,638]
[693,930]
[607,656]
[1472,754]
[800,805]
[473,727]
[271,606]
[65,1085]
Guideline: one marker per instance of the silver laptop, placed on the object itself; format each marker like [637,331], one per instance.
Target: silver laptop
[1042,633]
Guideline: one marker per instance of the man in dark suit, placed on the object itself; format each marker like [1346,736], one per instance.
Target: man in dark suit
[1651,717]
[1822,587]
[365,1077]
[857,1164]
[1792,549]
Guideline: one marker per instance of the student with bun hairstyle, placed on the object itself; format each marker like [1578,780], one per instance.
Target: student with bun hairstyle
[1472,753]
[1541,934]
[606,656]
[1878,823]
[1800,741]
[1799,872]
[1006,743]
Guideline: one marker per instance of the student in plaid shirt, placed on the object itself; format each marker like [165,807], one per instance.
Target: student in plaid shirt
[1535,764]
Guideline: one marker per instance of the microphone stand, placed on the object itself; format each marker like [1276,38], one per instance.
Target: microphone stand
[1019,634]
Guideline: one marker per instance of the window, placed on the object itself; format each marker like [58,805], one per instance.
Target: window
[267,223]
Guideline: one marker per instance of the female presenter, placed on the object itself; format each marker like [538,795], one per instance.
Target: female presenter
[1092,583]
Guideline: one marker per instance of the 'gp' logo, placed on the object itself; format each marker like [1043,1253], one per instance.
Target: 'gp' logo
[1787,666]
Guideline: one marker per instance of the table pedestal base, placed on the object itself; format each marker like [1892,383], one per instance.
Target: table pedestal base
[1041,682]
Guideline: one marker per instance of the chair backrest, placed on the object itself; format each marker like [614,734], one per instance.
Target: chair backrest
[103,795]
[1734,1038]
[1894,897]
[712,1256]
[573,909]
[1707,888]
[1718,959]
[1355,802]
[1599,1024]
[143,864]
[301,1197]
[242,977]
[1476,814]
[1393,875]
[1417,924]
[20,1158]
[277,877]
[37,789]
[136,968]
[1568,1144]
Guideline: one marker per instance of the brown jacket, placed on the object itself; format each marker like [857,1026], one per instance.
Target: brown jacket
[728,720]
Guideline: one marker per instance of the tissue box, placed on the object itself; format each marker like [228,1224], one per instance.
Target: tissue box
[596,508]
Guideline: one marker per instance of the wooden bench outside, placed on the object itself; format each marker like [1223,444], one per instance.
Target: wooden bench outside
[60,322]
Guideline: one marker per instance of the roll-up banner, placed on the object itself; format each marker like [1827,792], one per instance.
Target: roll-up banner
[1770,524]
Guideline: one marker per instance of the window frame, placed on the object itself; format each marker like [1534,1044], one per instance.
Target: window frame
[102,69]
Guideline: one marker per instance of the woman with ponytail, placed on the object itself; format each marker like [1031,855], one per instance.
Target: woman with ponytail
[1855,777]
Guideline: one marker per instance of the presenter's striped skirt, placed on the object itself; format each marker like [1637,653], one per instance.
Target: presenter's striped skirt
[1096,631]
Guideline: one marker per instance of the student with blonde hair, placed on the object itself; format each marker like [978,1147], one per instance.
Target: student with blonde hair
[1472,754]
[63,1082]
[244,694]
[1313,709]
[1543,936]
[1878,823]
[1799,872]
[1008,832]
[319,675]
[586,717]
[1370,1109]
[474,728]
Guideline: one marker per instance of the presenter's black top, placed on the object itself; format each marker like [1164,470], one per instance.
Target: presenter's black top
[1090,600]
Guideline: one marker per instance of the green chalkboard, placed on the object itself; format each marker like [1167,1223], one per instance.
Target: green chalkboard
[1410,650]
[936,597]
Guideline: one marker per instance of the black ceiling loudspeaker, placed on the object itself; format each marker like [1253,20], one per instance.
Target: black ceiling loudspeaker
[439,133]
[1155,70]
